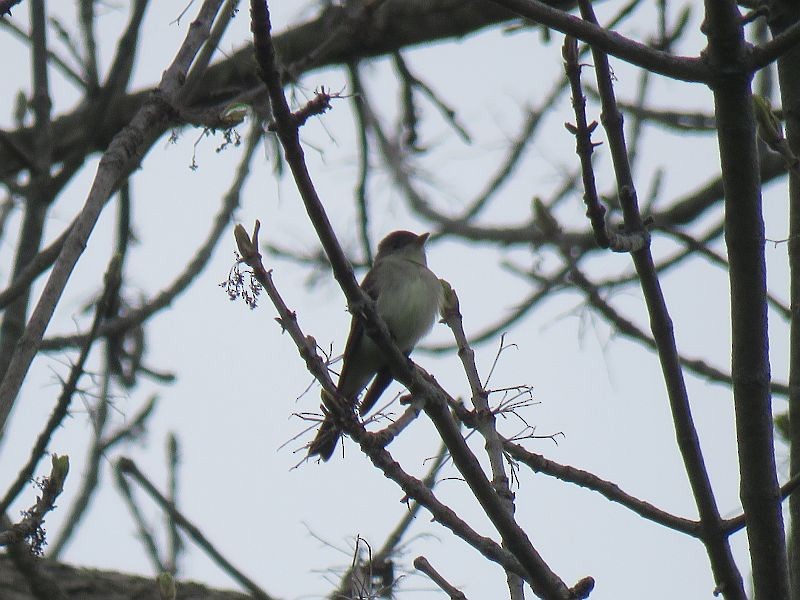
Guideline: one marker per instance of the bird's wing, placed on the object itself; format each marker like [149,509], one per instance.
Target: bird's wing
[356,324]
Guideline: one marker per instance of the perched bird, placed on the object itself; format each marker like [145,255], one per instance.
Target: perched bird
[407,297]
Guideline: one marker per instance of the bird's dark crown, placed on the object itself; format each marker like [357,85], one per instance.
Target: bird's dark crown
[396,240]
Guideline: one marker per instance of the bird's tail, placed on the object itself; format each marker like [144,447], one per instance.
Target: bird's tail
[324,444]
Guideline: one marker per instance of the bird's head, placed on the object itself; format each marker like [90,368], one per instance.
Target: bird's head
[403,244]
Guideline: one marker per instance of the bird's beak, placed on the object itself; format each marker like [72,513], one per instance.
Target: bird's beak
[422,238]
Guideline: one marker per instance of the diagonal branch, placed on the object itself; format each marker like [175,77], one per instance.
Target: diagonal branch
[636,53]
[774,49]
[539,464]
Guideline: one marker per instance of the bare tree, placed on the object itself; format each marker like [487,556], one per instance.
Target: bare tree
[718,223]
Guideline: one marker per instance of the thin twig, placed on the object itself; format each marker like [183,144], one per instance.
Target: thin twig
[174,543]
[68,72]
[485,421]
[610,490]
[35,267]
[142,529]
[86,18]
[362,126]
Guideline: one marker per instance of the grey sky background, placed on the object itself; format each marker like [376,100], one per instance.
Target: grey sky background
[240,380]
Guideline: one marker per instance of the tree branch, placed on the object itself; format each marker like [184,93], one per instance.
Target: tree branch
[99,585]
[641,55]
[744,238]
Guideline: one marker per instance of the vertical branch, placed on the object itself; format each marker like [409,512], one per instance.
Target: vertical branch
[362,124]
[744,238]
[765,78]
[90,72]
[41,88]
[174,544]
[288,133]
[783,15]
[726,574]
[485,421]
[583,144]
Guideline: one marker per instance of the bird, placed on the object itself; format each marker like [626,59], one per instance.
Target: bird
[408,297]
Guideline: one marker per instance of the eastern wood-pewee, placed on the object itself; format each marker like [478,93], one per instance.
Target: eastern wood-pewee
[407,296]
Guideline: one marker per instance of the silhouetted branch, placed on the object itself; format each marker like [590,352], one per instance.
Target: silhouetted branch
[35,267]
[175,545]
[142,529]
[610,490]
[485,421]
[362,128]
[774,49]
[727,54]
[641,55]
